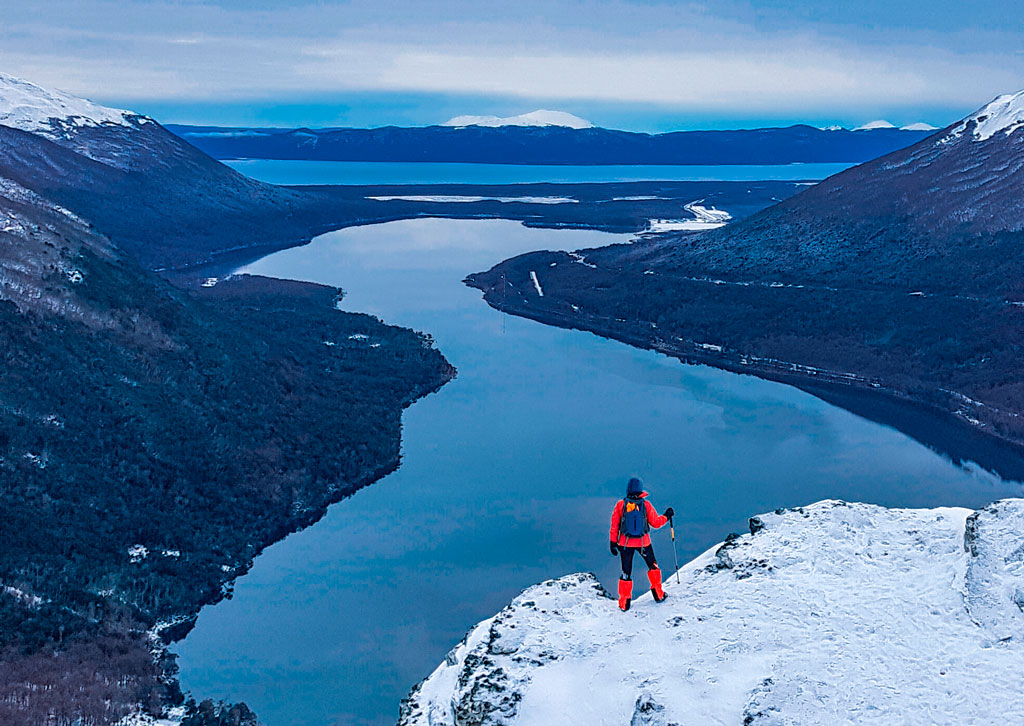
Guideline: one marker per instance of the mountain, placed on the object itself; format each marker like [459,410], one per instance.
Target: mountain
[56,114]
[902,278]
[943,216]
[549,144]
[919,126]
[154,437]
[161,200]
[540,117]
[819,614]
[876,125]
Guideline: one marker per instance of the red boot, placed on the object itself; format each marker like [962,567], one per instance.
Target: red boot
[625,594]
[654,575]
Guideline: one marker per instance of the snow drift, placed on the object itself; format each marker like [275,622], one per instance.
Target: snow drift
[825,614]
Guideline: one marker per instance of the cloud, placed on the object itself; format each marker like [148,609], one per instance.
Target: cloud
[706,79]
[673,55]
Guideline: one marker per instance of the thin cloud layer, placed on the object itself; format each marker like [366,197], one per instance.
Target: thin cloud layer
[670,55]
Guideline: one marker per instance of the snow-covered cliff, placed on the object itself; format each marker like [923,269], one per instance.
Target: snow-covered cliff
[832,613]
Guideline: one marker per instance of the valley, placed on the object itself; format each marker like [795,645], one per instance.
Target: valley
[197,364]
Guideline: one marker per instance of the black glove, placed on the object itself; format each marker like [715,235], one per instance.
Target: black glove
[670,512]
[614,547]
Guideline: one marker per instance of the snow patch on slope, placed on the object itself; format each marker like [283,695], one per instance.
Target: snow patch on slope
[824,614]
[1004,114]
[26,106]
[540,117]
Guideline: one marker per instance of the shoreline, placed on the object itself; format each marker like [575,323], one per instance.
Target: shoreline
[936,428]
[619,207]
[178,628]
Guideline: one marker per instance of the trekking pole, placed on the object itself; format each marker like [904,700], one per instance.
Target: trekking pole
[675,557]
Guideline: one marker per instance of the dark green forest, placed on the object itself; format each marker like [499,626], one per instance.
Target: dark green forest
[193,430]
[953,353]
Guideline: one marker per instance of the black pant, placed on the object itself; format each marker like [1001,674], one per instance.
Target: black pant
[626,554]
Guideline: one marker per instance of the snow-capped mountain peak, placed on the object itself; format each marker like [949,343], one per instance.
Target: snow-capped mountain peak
[872,125]
[26,106]
[919,126]
[540,117]
[1003,114]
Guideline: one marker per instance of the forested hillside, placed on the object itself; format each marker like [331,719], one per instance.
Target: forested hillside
[902,275]
[155,438]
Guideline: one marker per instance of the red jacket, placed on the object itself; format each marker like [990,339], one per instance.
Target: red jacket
[653,518]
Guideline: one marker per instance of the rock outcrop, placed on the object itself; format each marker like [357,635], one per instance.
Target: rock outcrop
[829,613]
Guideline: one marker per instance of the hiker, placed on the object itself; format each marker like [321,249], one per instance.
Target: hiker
[632,520]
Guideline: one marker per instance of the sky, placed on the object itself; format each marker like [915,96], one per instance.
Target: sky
[638,65]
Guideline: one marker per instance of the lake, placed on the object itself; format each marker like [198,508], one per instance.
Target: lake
[509,475]
[386,172]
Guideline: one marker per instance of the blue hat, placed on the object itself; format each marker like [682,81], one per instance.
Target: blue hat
[634,487]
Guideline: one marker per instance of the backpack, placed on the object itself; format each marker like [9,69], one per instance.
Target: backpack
[634,518]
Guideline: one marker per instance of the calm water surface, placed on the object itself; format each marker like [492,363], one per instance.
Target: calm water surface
[387,172]
[509,475]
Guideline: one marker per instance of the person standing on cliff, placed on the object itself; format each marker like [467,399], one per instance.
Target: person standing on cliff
[630,534]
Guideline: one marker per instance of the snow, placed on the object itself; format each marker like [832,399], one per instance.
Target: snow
[37,460]
[536,283]
[1004,114]
[445,199]
[137,553]
[582,260]
[241,133]
[138,718]
[919,126]
[872,125]
[833,127]
[19,594]
[831,613]
[703,218]
[706,214]
[541,117]
[29,107]
[671,225]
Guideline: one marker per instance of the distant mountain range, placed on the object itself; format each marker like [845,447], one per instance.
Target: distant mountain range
[902,276]
[504,141]
[540,117]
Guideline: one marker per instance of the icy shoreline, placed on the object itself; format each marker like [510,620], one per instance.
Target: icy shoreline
[821,614]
